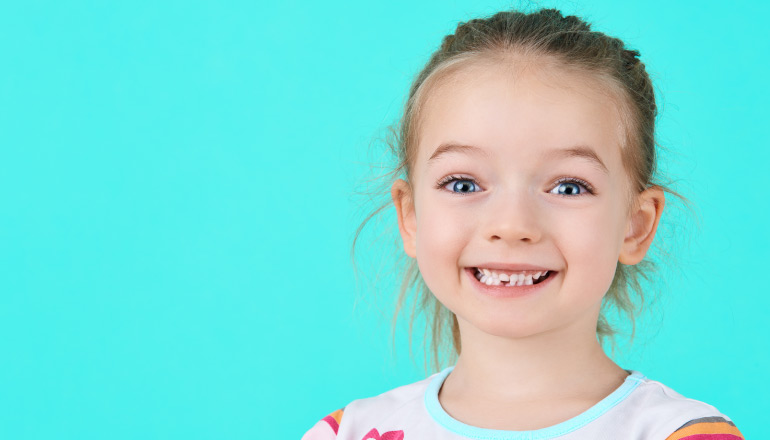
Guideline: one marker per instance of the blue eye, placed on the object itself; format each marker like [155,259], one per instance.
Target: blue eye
[463,186]
[571,187]
[459,185]
[568,189]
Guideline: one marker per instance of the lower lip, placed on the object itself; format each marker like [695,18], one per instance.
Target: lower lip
[504,291]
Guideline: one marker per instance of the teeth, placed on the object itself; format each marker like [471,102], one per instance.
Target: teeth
[491,277]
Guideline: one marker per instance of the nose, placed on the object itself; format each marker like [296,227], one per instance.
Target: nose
[512,218]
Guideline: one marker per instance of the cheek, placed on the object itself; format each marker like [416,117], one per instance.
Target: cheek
[442,225]
[442,234]
[603,235]
[592,244]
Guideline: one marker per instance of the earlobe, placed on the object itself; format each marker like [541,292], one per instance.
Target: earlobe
[401,193]
[642,225]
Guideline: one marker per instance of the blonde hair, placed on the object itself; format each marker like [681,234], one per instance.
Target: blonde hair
[569,42]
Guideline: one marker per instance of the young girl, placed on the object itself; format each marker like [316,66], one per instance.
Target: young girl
[527,201]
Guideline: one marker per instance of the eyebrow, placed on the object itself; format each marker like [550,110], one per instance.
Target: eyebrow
[579,151]
[451,147]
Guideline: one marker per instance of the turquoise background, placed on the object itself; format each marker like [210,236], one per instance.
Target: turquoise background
[177,208]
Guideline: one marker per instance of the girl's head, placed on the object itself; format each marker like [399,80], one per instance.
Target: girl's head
[527,145]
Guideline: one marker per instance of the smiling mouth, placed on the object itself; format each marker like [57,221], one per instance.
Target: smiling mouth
[511,278]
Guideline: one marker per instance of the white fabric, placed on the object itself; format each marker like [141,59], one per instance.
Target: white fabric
[640,409]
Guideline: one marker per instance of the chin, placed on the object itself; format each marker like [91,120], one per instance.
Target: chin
[508,328]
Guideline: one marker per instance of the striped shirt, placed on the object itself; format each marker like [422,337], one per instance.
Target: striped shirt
[640,409]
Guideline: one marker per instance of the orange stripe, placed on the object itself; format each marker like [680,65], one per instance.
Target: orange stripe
[337,415]
[706,428]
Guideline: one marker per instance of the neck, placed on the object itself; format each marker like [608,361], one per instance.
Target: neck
[559,363]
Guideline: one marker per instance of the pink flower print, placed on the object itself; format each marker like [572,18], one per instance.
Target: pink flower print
[390,435]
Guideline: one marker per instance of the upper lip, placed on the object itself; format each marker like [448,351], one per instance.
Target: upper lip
[513,267]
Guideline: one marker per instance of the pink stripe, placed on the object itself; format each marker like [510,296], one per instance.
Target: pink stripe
[712,437]
[333,423]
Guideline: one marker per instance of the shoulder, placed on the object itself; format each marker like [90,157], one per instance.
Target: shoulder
[326,428]
[393,399]
[678,417]
[665,399]
[397,402]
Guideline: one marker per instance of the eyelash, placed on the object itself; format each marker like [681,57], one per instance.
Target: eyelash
[449,179]
[453,178]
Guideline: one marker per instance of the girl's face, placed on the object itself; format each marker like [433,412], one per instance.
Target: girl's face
[519,172]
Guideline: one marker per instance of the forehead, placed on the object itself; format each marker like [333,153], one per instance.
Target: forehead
[521,105]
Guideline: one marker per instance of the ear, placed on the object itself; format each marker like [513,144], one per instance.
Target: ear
[401,193]
[642,224]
